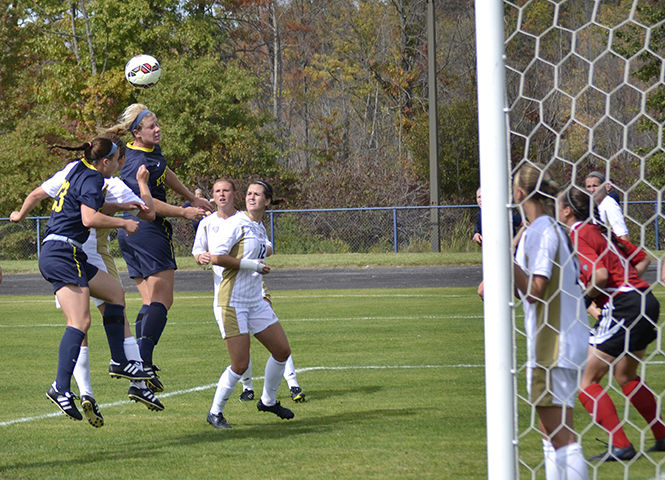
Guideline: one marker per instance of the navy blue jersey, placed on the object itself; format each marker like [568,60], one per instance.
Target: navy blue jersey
[82,185]
[154,161]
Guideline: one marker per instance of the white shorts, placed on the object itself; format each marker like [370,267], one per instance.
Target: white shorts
[234,321]
[553,386]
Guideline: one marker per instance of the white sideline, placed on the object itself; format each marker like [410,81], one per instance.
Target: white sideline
[135,299]
[214,385]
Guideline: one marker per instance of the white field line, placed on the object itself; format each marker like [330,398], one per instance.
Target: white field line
[135,299]
[210,386]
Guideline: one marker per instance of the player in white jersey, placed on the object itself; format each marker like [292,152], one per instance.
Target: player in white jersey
[608,208]
[223,196]
[239,244]
[117,197]
[546,277]
[297,394]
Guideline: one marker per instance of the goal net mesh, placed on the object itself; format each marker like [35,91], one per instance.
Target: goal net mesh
[585,92]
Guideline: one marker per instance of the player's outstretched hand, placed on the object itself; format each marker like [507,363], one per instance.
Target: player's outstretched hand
[194,213]
[202,203]
[265,270]
[15,217]
[142,174]
[131,226]
[129,206]
[204,258]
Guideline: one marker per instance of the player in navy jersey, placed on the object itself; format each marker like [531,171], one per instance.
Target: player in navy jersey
[63,263]
[149,254]
[117,197]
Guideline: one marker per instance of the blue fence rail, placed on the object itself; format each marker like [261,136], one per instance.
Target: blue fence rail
[273,216]
[344,230]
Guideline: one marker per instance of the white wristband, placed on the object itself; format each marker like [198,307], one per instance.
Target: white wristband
[248,264]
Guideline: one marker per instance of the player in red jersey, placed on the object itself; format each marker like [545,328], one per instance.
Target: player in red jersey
[626,312]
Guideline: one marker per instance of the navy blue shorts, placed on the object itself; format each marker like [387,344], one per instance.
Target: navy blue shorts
[149,250]
[63,264]
[622,326]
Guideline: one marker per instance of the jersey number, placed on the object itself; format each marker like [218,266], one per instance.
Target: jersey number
[262,252]
[60,196]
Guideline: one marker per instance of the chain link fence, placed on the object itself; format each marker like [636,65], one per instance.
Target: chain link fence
[342,230]
[354,230]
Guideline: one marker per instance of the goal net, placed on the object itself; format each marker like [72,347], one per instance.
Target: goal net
[584,92]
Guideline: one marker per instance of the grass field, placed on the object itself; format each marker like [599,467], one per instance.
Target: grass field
[394,381]
[322,260]
[378,368]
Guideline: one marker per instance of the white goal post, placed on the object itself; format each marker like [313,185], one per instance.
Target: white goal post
[494,174]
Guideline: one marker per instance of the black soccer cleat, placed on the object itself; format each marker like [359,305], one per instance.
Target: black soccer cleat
[146,397]
[659,446]
[130,370]
[217,420]
[247,395]
[65,402]
[91,411]
[154,383]
[297,395]
[277,409]
[615,454]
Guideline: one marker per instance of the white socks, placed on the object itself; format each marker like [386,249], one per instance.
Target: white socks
[227,382]
[290,373]
[566,463]
[273,377]
[82,367]
[246,380]
[82,373]
[131,348]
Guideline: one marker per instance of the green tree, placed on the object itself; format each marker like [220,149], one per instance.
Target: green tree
[73,84]
[209,127]
[458,150]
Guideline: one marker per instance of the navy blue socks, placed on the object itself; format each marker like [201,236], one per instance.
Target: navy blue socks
[70,345]
[114,324]
[154,322]
[139,320]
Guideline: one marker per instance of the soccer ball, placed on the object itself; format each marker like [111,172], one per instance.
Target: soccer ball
[143,71]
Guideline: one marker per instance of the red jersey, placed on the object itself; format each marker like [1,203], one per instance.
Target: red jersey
[594,250]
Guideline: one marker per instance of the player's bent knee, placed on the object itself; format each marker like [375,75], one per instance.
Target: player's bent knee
[239,368]
[81,323]
[282,355]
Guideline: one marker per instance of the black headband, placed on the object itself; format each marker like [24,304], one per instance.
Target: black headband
[578,214]
[267,187]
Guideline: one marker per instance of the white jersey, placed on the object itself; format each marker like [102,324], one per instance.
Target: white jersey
[612,216]
[96,246]
[544,250]
[240,237]
[207,239]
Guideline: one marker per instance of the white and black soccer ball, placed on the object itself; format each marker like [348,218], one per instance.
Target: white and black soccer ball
[143,71]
